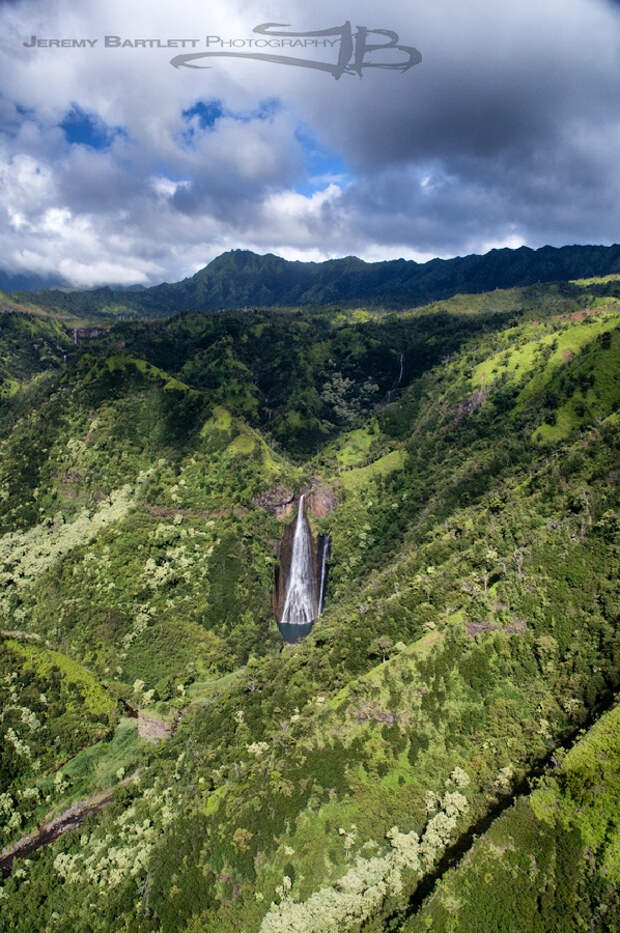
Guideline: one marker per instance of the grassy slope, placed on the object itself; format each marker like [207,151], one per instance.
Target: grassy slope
[551,861]
[484,562]
[61,734]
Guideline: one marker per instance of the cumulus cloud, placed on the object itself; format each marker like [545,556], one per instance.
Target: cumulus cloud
[117,168]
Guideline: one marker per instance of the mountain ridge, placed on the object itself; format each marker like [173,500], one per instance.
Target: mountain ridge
[242,278]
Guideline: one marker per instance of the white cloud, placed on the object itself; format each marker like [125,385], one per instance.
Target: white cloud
[507,133]
[167,187]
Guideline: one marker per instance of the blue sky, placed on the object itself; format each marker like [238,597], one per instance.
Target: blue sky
[117,168]
[86,129]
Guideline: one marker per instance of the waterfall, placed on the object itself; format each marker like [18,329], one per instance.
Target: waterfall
[390,392]
[299,608]
[324,546]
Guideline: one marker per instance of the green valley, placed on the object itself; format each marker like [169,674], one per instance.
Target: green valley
[462,455]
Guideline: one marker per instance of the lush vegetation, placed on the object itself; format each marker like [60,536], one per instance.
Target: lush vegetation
[553,860]
[469,633]
[30,346]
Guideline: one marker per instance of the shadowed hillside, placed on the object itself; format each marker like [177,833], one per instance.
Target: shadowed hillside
[241,278]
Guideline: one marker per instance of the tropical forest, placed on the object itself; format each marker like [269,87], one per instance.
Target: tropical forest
[308,599]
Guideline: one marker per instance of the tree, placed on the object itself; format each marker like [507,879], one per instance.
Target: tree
[382,648]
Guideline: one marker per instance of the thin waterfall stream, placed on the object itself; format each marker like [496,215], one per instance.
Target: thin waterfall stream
[324,549]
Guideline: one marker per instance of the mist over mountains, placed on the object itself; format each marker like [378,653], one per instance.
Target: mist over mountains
[28,281]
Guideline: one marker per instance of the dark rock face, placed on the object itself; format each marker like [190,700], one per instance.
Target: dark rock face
[320,501]
[278,500]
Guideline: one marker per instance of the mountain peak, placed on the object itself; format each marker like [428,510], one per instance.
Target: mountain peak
[241,278]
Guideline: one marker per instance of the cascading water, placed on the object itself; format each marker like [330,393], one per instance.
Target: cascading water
[324,547]
[299,604]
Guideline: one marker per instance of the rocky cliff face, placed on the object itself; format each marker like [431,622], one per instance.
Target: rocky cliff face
[322,500]
[279,500]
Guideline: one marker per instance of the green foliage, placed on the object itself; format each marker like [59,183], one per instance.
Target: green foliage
[29,345]
[470,625]
[551,861]
[52,708]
